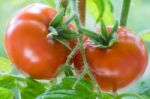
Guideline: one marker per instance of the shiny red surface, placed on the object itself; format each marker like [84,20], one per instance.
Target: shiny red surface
[119,65]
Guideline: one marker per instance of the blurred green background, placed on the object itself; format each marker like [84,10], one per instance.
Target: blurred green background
[139,18]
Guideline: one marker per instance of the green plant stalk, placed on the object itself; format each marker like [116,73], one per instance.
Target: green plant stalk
[63,43]
[71,18]
[71,54]
[68,72]
[86,69]
[82,10]
[62,4]
[124,13]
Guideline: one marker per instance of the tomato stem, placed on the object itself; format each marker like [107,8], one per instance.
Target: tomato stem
[69,19]
[71,54]
[63,43]
[82,10]
[62,4]
[125,11]
[86,69]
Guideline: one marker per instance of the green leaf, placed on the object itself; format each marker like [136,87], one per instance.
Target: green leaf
[97,6]
[144,89]
[111,6]
[8,81]
[32,90]
[145,35]
[67,68]
[104,9]
[108,96]
[65,94]
[64,90]
[68,82]
[101,7]
[6,94]
[83,85]
[57,19]
[5,65]
[108,16]
[51,3]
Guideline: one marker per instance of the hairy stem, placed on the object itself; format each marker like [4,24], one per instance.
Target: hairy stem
[62,4]
[71,54]
[82,10]
[86,69]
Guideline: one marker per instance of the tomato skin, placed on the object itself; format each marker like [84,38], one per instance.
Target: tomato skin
[118,66]
[27,45]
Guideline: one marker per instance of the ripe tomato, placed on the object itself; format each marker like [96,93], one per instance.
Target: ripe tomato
[27,45]
[119,65]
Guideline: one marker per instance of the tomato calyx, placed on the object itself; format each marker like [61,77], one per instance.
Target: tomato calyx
[107,39]
[58,31]
[58,19]
[104,39]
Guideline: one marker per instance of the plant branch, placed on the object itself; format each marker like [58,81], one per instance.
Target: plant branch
[71,54]
[125,11]
[86,69]
[62,4]
[82,10]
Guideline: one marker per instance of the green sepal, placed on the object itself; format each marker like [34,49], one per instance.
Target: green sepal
[105,40]
[91,34]
[62,32]
[53,32]
[32,89]
[114,29]
[101,45]
[57,20]
[67,34]
[104,29]
[112,42]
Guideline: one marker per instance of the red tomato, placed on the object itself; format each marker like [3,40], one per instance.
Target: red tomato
[27,45]
[119,65]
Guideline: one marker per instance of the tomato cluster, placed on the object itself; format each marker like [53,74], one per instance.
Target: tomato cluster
[28,47]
